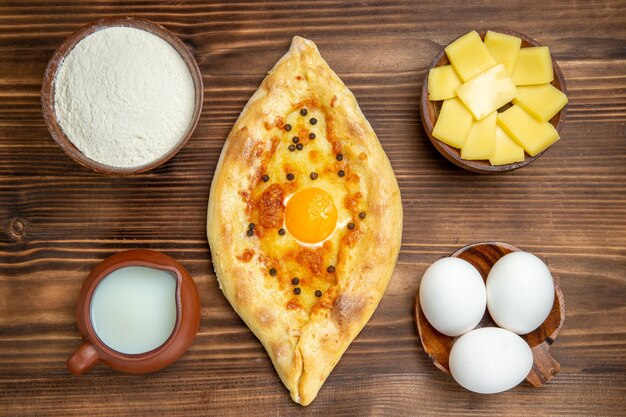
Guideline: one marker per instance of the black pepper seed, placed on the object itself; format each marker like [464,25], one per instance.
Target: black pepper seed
[299,146]
[341,173]
[287,127]
[318,293]
[314,175]
[303,112]
[295,139]
[250,232]
[265,178]
[297,291]
[311,135]
[362,215]
[313,121]
[290,176]
[251,226]
[272,271]
[292,148]
[330,269]
[351,226]
[295,281]
[339,157]
[281,231]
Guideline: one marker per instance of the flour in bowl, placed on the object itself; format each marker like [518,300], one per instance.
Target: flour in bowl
[124,97]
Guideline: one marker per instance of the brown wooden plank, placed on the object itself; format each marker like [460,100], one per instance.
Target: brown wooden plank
[57,220]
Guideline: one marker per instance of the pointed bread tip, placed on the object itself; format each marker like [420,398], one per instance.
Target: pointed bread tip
[299,44]
[295,398]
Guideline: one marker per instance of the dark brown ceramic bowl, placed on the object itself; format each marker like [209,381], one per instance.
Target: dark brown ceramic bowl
[429,111]
[47,91]
[94,350]
[483,256]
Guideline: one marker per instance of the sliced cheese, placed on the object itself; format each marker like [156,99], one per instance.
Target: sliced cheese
[453,124]
[481,139]
[542,102]
[533,66]
[442,83]
[533,136]
[469,56]
[503,48]
[506,151]
[487,92]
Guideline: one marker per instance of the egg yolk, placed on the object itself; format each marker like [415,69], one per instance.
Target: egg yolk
[311,215]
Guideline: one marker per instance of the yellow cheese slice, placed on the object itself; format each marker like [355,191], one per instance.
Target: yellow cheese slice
[503,48]
[469,56]
[481,140]
[533,136]
[442,83]
[542,102]
[453,124]
[533,66]
[506,151]
[487,92]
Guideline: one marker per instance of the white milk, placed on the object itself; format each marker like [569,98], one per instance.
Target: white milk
[133,309]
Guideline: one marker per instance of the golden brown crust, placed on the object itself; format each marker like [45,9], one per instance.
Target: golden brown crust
[304,345]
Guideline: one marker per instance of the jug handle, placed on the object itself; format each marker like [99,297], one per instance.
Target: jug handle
[83,359]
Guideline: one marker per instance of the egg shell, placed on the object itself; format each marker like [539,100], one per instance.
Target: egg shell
[452,296]
[490,360]
[520,292]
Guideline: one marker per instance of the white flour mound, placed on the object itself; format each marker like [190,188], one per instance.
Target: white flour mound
[124,97]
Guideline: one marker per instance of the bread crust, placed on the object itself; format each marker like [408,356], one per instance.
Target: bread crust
[304,347]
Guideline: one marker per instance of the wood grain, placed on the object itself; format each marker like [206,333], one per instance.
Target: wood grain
[57,219]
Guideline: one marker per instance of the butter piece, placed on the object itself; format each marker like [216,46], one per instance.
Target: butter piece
[481,140]
[453,124]
[533,136]
[503,48]
[533,66]
[542,102]
[442,83]
[506,151]
[469,56]
[487,92]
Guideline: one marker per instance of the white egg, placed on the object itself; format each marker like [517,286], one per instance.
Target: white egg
[490,360]
[520,292]
[452,296]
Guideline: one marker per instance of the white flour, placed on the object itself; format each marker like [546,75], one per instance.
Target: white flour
[124,97]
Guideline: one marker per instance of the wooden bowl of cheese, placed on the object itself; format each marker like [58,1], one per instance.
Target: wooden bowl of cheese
[467,101]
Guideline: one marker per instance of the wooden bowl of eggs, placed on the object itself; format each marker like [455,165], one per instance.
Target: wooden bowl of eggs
[501,101]
[488,315]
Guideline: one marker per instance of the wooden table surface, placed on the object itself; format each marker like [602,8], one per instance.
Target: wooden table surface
[57,219]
